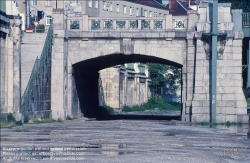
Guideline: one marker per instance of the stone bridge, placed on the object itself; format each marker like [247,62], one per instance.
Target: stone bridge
[84,45]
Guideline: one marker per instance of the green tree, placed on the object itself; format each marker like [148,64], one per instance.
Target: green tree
[238,4]
[160,77]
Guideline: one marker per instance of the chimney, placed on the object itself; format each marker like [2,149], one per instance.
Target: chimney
[171,4]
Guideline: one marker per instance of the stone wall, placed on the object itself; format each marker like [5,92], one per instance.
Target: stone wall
[231,103]
[2,73]
[122,87]
[183,47]
[110,86]
[10,89]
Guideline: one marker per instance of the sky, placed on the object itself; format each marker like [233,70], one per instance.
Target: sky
[165,1]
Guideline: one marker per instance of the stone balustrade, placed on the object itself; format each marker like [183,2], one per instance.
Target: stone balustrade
[86,23]
[246,19]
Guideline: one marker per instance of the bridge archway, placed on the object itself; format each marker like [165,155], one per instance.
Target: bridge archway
[86,75]
[183,46]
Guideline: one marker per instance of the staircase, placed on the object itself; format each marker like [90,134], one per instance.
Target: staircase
[36,74]
[31,48]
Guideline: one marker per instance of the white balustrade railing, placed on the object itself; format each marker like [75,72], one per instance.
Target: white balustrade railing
[127,23]
[246,19]
[86,23]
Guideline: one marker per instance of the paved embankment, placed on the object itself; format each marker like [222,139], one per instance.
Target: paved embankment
[121,141]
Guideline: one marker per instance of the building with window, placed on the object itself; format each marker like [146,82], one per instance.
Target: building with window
[128,84]
[122,8]
[10,38]
[35,5]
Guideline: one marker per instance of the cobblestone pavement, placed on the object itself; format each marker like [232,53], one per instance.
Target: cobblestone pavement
[119,141]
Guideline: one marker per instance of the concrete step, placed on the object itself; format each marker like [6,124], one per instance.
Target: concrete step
[33,38]
[31,48]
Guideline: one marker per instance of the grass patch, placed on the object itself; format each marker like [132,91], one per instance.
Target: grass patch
[26,119]
[59,120]
[153,103]
[69,118]
[106,110]
[215,123]
[9,121]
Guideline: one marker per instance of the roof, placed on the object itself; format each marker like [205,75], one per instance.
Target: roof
[150,3]
[180,7]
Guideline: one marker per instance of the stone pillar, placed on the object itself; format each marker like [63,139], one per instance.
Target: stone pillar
[3,107]
[200,102]
[16,23]
[73,108]
[59,67]
[248,54]
[237,19]
[10,70]
[231,104]
[189,69]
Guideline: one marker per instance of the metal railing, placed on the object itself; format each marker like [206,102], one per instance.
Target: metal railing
[246,19]
[36,99]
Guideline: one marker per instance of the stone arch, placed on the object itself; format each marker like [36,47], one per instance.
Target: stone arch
[86,76]
[173,50]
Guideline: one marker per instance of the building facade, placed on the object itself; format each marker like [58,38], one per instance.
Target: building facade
[93,8]
[10,38]
[124,85]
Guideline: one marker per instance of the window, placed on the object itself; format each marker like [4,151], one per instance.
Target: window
[48,20]
[104,5]
[48,3]
[145,13]
[96,3]
[34,3]
[90,3]
[110,6]
[159,14]
[117,8]
[137,12]
[150,14]
[124,10]
[131,11]
[16,3]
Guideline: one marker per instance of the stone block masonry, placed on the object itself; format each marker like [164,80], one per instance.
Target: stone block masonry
[88,50]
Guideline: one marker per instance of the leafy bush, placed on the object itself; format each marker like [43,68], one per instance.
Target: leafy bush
[109,109]
[69,118]
[152,104]
[40,28]
[19,123]
[11,118]
[26,118]
[59,120]
[9,121]
[106,110]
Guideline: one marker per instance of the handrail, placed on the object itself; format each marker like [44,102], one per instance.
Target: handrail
[36,97]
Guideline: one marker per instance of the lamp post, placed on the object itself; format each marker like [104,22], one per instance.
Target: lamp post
[214,35]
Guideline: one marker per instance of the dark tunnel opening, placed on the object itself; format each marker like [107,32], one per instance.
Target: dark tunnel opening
[86,75]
